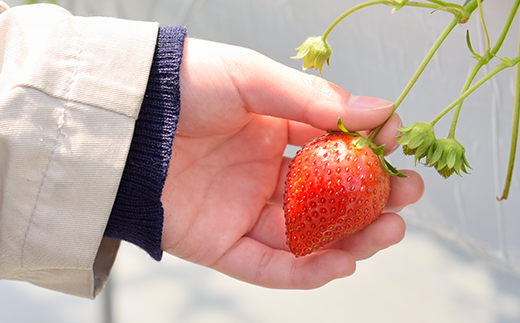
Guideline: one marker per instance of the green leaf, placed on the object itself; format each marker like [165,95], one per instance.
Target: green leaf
[379,150]
[341,126]
[507,61]
[451,158]
[436,155]
[390,169]
[417,140]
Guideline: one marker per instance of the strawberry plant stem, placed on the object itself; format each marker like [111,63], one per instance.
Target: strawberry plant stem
[514,134]
[482,60]
[348,12]
[425,61]
[469,8]
[502,66]
[420,69]
[450,7]
[455,9]
[483,24]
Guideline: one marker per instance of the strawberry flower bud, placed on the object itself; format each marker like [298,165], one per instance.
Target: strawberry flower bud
[448,157]
[315,51]
[417,139]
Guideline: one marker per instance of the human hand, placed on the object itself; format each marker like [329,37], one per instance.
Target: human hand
[223,193]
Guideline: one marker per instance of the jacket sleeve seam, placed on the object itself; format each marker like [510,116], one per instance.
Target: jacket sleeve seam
[59,132]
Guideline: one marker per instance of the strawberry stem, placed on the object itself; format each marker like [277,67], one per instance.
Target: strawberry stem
[457,10]
[483,60]
[420,69]
[469,8]
[461,15]
[502,66]
[426,60]
[514,133]
[479,2]
[348,12]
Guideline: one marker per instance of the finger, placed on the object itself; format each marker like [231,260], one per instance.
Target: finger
[388,134]
[277,197]
[258,264]
[404,191]
[270,88]
[270,228]
[384,232]
[301,133]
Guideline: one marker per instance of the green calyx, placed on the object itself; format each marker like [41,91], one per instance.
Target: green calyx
[417,139]
[315,51]
[360,142]
[448,157]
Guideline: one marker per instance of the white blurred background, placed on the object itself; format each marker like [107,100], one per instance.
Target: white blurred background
[460,260]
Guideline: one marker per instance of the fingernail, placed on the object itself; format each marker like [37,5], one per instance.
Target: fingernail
[367,102]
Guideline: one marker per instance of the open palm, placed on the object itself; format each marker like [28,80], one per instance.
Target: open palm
[223,194]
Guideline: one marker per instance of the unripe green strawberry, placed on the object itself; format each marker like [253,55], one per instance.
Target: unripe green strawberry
[417,139]
[448,157]
[336,186]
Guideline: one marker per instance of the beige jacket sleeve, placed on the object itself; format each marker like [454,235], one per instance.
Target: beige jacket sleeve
[70,92]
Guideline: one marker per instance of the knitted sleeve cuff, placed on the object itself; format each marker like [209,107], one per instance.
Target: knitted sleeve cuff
[137,214]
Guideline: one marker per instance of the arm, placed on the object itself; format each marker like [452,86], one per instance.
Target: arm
[226,137]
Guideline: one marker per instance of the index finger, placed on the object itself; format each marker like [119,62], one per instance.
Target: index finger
[271,88]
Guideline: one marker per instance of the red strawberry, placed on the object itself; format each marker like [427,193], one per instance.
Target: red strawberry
[336,186]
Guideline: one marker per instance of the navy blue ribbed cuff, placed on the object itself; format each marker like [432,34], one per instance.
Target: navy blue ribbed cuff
[137,214]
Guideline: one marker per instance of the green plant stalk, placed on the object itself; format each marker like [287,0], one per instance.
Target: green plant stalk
[479,2]
[458,15]
[489,54]
[514,134]
[425,61]
[420,69]
[348,12]
[482,61]
[465,94]
[507,25]
[449,7]
[447,4]
[470,7]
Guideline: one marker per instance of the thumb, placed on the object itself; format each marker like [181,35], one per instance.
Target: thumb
[270,88]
